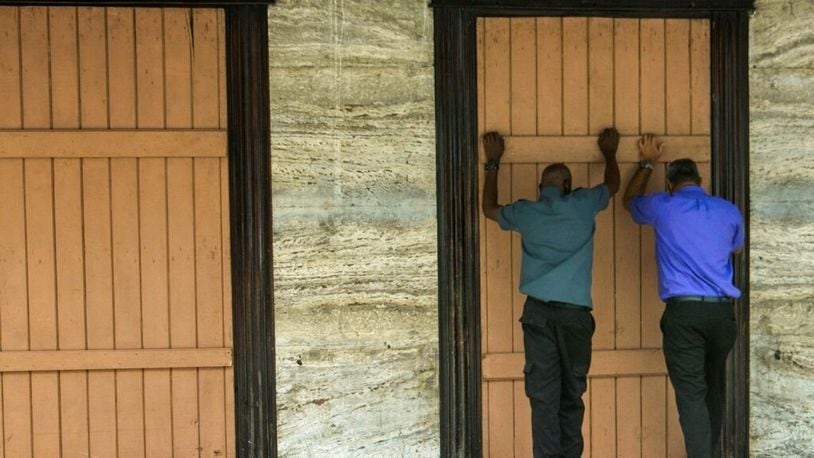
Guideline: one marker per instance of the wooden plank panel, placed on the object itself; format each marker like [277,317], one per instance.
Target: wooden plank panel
[628,291]
[652,307]
[212,400]
[523,76]
[226,254]
[602,290]
[497,88]
[528,149]
[522,421]
[675,438]
[229,389]
[108,143]
[11,109]
[600,74]
[99,301]
[64,67]
[501,419]
[222,73]
[178,63]
[699,78]
[13,308]
[628,417]
[205,99]
[499,287]
[70,266]
[549,76]
[155,306]
[575,76]
[36,92]
[92,67]
[130,412]
[183,331]
[604,363]
[654,419]
[484,386]
[652,88]
[121,58]
[78,360]
[586,423]
[150,102]
[524,186]
[42,325]
[603,418]
[626,75]
[677,60]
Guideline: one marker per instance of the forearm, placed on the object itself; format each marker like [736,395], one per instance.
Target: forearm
[489,198]
[612,178]
[637,186]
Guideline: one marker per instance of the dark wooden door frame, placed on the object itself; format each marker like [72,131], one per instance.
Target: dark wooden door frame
[249,153]
[457,189]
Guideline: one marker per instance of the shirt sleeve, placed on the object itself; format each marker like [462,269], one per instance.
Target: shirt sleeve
[599,196]
[642,209]
[507,217]
[740,235]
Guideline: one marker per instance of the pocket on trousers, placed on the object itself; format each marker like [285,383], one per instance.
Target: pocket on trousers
[528,384]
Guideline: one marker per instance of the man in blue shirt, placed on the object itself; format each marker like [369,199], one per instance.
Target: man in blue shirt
[556,233]
[696,235]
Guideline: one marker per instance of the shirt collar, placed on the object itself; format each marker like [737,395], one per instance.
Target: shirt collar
[691,189]
[551,192]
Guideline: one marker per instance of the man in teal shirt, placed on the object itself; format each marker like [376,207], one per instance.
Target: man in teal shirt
[557,239]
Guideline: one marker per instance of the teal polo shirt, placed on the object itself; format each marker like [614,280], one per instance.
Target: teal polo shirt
[557,233]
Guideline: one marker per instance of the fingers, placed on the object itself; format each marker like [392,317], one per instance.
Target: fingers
[489,137]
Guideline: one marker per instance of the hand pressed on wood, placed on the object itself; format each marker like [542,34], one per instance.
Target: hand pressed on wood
[608,141]
[493,144]
[649,147]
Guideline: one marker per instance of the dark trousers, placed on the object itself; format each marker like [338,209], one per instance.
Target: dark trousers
[557,341]
[697,339]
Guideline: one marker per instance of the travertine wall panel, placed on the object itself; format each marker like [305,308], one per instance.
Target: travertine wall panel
[354,227]
[782,228]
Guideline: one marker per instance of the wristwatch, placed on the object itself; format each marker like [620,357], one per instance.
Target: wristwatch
[645,164]
[492,165]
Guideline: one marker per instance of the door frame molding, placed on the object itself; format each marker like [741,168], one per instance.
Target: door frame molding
[457,190]
[249,154]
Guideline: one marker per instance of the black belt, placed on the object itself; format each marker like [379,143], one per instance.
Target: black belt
[714,299]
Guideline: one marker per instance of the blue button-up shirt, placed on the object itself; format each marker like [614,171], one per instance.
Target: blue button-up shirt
[557,233]
[695,236]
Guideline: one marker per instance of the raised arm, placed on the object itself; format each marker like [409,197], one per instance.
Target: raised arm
[650,150]
[493,144]
[608,144]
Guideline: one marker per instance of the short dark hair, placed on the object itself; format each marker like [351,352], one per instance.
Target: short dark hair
[682,171]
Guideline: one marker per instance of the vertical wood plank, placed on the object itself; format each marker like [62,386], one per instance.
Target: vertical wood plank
[39,211]
[205,99]
[603,417]
[575,75]
[522,421]
[121,58]
[70,265]
[601,73]
[652,87]
[155,306]
[92,67]
[629,417]
[652,307]
[149,68]
[11,109]
[209,274]
[677,59]
[523,76]
[499,287]
[549,76]
[181,243]
[699,78]
[586,422]
[178,62]
[654,417]
[626,75]
[102,427]
[524,186]
[222,67]
[497,82]
[603,289]
[36,91]
[228,372]
[675,438]
[501,419]
[14,308]
[127,300]
[64,67]
[628,291]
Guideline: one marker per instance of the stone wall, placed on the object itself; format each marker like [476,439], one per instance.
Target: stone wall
[353,174]
[782,228]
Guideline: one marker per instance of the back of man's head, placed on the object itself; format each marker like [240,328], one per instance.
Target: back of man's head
[682,171]
[557,175]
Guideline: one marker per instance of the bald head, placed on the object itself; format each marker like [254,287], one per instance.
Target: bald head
[558,176]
